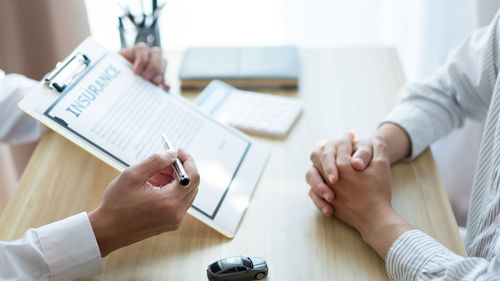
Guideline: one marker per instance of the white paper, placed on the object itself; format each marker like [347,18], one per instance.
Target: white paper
[124,115]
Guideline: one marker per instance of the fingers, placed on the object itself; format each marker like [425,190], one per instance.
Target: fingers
[328,162]
[363,154]
[316,156]
[323,158]
[147,62]
[168,171]
[192,171]
[318,186]
[161,179]
[189,166]
[155,163]
[189,198]
[128,54]
[344,151]
[184,197]
[138,56]
[380,151]
[155,68]
[165,85]
[141,57]
[191,192]
[322,205]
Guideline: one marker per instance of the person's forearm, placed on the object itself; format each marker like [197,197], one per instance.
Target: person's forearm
[384,225]
[104,234]
[382,230]
[112,232]
[397,140]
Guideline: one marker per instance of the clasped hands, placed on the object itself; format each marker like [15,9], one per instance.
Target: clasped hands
[352,181]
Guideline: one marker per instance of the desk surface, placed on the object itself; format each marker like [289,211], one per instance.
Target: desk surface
[343,89]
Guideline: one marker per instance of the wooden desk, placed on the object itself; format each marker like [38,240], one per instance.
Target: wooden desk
[342,89]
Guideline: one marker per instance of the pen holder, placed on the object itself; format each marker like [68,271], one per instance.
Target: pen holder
[129,36]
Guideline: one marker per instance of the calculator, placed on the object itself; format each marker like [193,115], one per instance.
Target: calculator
[254,113]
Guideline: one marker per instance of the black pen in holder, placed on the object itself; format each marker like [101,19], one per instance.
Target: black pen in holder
[145,28]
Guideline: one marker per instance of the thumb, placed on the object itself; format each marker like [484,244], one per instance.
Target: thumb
[152,165]
[127,54]
[380,150]
[363,154]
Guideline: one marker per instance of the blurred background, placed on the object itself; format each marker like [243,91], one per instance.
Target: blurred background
[37,33]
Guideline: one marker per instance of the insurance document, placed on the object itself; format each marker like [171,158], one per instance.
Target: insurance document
[123,116]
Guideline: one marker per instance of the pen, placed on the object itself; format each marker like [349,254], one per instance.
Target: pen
[127,13]
[155,5]
[156,14]
[122,32]
[178,168]
[143,22]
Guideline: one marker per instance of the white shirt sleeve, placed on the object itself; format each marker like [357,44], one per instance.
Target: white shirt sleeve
[63,250]
[461,88]
[16,127]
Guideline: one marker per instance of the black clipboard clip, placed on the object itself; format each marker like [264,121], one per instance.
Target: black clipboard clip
[66,71]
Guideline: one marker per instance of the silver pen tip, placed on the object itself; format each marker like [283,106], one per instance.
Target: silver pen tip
[166,143]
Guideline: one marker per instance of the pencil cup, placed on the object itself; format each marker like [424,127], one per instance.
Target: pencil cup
[132,35]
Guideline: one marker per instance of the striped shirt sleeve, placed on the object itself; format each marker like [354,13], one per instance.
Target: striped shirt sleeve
[416,256]
[461,88]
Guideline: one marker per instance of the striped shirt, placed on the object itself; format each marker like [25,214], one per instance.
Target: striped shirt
[466,86]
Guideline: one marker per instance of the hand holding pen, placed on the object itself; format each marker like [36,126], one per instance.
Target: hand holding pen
[178,167]
[143,201]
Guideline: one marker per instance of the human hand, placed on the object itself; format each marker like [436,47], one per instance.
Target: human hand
[324,157]
[147,62]
[363,198]
[324,172]
[362,195]
[143,201]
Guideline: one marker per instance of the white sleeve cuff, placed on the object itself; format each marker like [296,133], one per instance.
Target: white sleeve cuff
[70,248]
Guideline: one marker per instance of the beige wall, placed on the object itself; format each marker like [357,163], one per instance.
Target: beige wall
[34,35]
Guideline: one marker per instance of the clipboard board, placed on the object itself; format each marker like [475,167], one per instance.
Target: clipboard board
[225,189]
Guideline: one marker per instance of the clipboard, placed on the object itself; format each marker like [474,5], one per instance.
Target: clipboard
[78,69]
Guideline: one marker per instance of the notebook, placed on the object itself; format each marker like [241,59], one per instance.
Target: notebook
[244,67]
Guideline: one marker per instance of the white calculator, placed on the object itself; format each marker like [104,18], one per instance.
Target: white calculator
[251,112]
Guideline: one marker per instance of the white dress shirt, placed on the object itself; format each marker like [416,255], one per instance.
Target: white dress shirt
[466,86]
[63,250]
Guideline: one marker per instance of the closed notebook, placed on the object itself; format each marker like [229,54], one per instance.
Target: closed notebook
[247,67]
